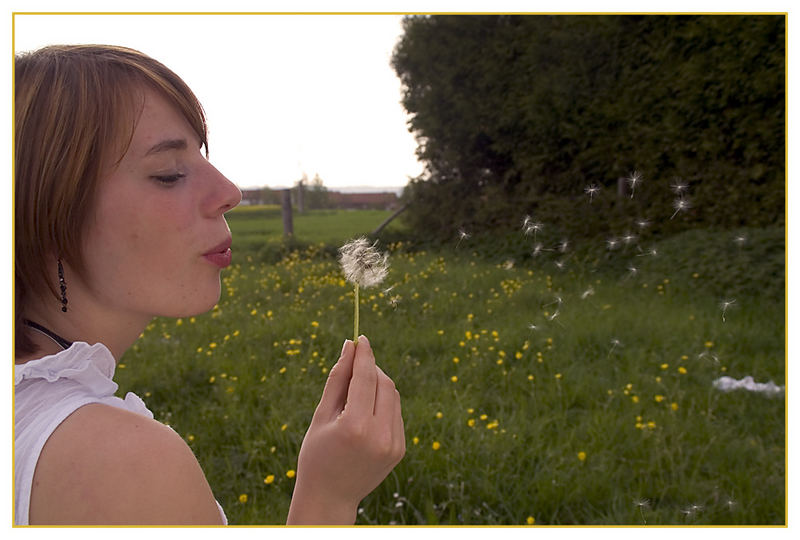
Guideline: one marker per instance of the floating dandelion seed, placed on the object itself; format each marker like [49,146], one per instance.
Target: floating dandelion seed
[652,253]
[641,504]
[554,315]
[679,187]
[633,180]
[724,305]
[706,354]
[614,344]
[532,327]
[740,240]
[632,271]
[462,235]
[680,205]
[537,249]
[363,266]
[628,238]
[562,247]
[529,226]
[591,191]
[612,243]
[558,301]
[588,292]
[560,265]
[642,223]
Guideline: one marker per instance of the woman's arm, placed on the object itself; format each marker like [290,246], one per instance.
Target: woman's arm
[109,466]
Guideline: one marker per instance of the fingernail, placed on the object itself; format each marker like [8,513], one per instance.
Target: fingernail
[343,347]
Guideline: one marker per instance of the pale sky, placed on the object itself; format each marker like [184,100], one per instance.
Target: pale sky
[284,94]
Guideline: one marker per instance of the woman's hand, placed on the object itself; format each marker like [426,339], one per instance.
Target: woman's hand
[355,439]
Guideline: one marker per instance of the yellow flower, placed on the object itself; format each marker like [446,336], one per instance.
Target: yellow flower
[484,417]
[558,375]
[454,378]
[440,332]
[212,379]
[282,370]
[470,410]
[243,498]
[582,456]
[664,366]
[436,445]
[290,473]
[254,312]
[673,406]
[651,424]
[635,399]
[456,360]
[659,398]
[269,479]
[530,520]
[283,427]
[439,414]
[709,344]
[190,437]
[314,324]
[415,440]
[682,370]
[471,422]
[530,377]
[518,355]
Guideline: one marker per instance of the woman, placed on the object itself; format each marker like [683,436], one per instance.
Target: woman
[119,217]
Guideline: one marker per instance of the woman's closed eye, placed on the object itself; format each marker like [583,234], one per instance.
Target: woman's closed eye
[168,179]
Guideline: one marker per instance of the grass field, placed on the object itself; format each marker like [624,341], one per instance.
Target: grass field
[532,393]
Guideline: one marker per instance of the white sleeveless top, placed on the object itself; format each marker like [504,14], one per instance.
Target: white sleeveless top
[47,391]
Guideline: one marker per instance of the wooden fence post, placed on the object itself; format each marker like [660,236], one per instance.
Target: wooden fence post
[286,212]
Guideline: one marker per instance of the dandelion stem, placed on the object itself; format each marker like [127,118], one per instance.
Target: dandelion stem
[355,316]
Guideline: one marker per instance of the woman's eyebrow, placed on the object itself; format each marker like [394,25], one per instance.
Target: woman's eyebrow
[165,145]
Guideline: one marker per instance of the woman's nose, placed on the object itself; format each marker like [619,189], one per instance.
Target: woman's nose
[226,195]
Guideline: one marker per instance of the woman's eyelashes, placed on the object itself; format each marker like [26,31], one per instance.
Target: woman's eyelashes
[168,179]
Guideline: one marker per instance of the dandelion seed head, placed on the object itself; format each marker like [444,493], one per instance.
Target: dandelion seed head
[641,503]
[362,263]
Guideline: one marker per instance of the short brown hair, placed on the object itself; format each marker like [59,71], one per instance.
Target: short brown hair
[76,107]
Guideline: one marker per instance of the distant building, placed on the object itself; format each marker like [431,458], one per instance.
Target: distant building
[363,201]
[252,196]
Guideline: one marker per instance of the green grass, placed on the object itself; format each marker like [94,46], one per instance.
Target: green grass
[240,385]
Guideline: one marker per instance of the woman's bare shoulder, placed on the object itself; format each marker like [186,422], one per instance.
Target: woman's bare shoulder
[107,466]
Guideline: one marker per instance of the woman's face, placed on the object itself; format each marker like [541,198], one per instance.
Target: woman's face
[158,238]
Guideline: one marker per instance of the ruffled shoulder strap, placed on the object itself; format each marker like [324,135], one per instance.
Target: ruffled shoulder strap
[90,365]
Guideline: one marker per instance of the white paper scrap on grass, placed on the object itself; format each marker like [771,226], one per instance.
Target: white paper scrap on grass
[726,384]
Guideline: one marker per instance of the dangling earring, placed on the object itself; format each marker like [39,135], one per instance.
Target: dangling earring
[63,285]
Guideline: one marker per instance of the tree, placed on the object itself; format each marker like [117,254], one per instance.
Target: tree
[518,114]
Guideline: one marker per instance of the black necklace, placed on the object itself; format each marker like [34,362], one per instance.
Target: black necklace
[63,343]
